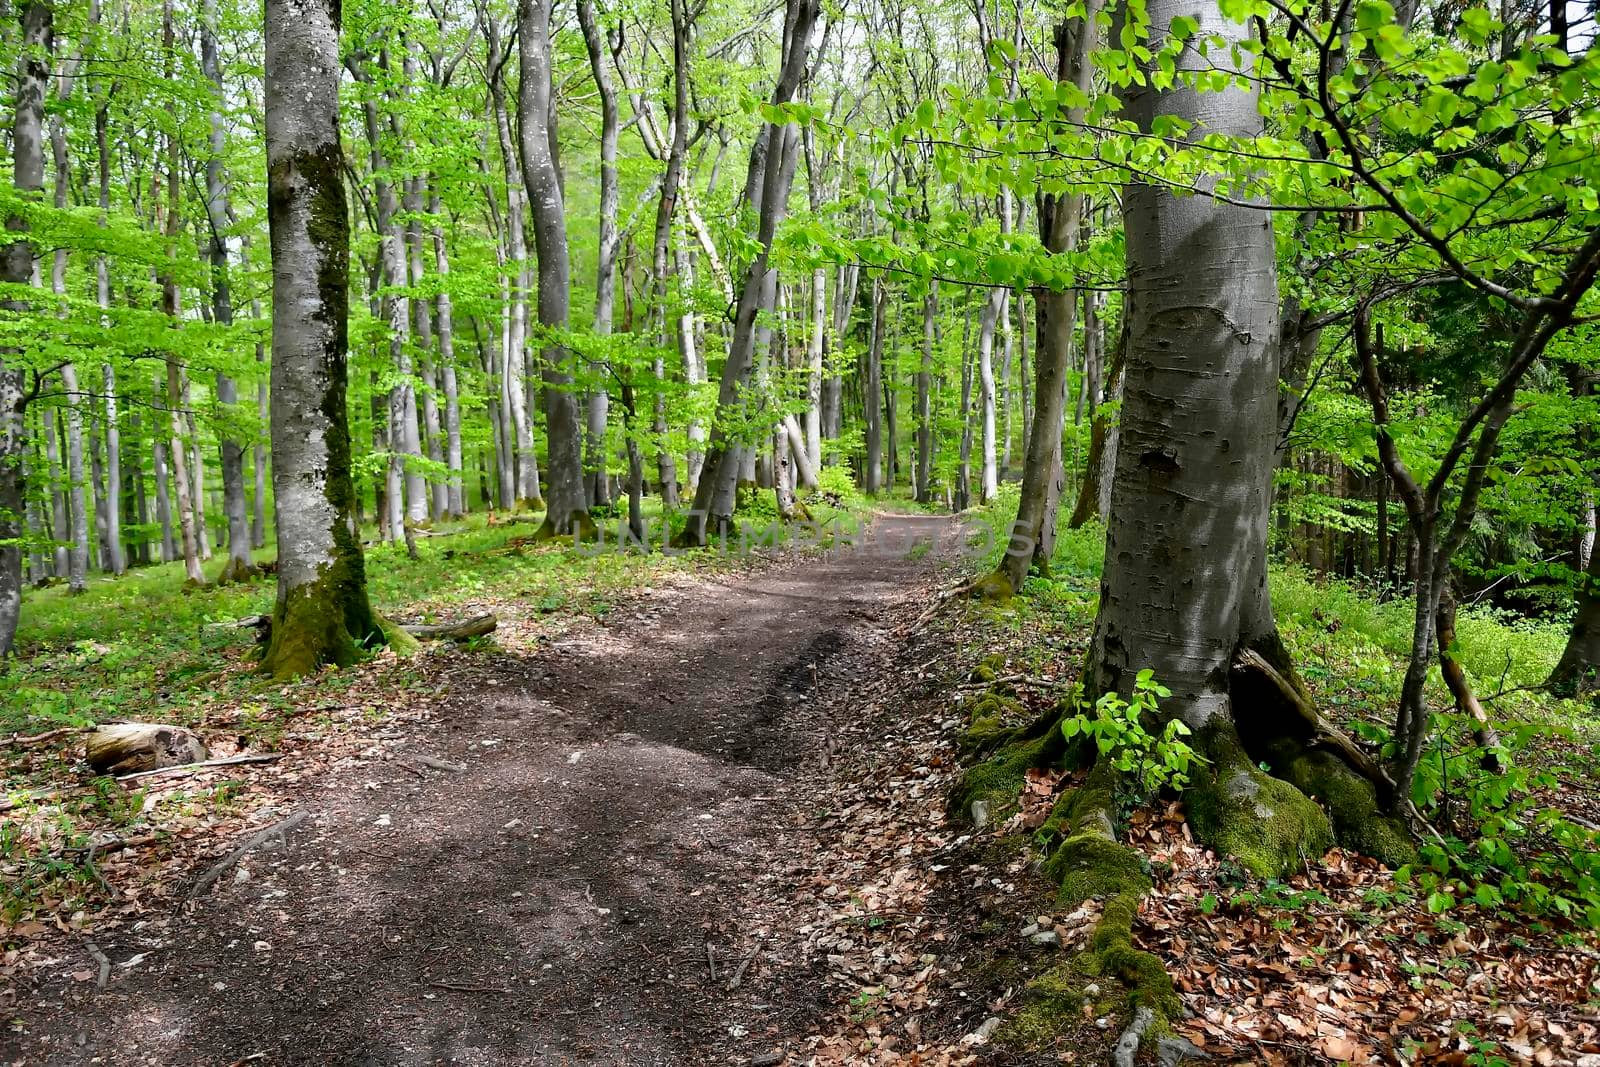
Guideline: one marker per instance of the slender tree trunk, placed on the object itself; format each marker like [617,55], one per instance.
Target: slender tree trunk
[16,268]
[78,551]
[116,558]
[239,566]
[872,391]
[444,314]
[159,471]
[322,614]
[566,509]
[1094,492]
[994,312]
[1578,671]
[923,472]
[60,524]
[605,292]
[771,172]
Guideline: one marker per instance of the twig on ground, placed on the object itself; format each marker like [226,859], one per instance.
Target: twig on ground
[711,962]
[1029,680]
[104,962]
[22,740]
[440,765]
[459,988]
[277,829]
[191,768]
[738,975]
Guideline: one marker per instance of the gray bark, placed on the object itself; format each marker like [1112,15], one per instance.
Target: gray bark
[771,173]
[444,316]
[78,550]
[158,470]
[322,613]
[1034,534]
[566,508]
[16,267]
[513,354]
[218,210]
[1185,585]
[116,557]
[872,391]
[922,472]
[605,289]
[994,310]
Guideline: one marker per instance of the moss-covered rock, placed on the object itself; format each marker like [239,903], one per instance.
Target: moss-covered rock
[1238,809]
[1358,819]
[994,587]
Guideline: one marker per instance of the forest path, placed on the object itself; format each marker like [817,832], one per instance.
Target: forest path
[618,834]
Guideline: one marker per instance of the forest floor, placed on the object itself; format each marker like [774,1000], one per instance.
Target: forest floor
[680,810]
[706,827]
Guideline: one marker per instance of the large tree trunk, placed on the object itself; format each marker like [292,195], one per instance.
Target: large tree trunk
[239,564]
[770,176]
[16,268]
[566,507]
[1184,593]
[322,614]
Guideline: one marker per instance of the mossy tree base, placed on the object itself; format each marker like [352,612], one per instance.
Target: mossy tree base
[994,587]
[238,571]
[577,525]
[314,627]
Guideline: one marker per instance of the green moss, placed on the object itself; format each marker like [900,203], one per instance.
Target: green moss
[1359,821]
[997,781]
[577,524]
[1266,824]
[994,586]
[988,669]
[1089,866]
[403,644]
[990,717]
[1050,1001]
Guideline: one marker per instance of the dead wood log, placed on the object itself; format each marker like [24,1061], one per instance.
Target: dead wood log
[24,740]
[476,626]
[123,748]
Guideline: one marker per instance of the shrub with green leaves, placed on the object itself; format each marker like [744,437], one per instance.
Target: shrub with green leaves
[1155,761]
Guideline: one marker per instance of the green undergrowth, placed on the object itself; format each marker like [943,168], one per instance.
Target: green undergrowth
[1506,845]
[143,646]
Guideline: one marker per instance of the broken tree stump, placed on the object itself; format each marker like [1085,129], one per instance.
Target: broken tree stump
[131,747]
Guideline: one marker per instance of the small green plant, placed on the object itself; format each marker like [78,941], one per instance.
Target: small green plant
[1156,761]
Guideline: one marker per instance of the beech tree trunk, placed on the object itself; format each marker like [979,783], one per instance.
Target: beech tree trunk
[322,614]
[1578,671]
[16,267]
[239,564]
[872,391]
[605,290]
[1184,593]
[1033,535]
[923,472]
[771,172]
[566,507]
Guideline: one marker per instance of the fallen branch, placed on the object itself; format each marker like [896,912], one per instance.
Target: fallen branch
[278,829]
[440,765]
[738,975]
[1017,679]
[456,987]
[21,741]
[191,768]
[476,626]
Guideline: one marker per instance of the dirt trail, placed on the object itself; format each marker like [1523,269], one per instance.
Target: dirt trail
[567,897]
